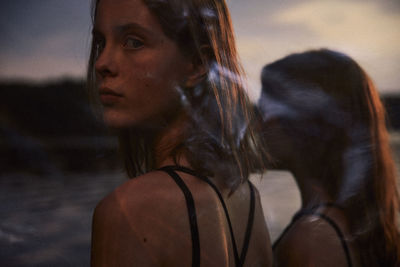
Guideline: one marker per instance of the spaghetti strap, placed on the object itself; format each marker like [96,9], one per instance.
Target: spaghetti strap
[239,260]
[249,227]
[192,215]
[331,222]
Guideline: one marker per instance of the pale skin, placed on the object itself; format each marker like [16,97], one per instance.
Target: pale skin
[144,222]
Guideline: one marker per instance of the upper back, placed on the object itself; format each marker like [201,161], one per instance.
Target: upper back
[150,223]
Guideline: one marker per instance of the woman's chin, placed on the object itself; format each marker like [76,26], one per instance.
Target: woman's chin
[117,122]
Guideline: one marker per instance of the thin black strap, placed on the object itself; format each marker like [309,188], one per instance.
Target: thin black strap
[250,222]
[328,220]
[301,213]
[239,261]
[192,216]
[319,206]
[339,233]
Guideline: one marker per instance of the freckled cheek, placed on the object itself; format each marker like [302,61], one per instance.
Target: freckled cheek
[151,81]
[160,80]
[146,89]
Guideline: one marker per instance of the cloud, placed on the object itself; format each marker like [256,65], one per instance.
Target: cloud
[343,22]
[368,31]
[44,40]
[63,54]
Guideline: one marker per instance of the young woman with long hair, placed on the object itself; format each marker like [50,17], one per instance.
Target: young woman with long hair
[167,78]
[323,121]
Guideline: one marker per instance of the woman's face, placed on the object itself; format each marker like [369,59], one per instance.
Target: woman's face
[291,126]
[277,117]
[138,68]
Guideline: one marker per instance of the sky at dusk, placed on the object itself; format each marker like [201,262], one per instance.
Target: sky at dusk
[48,39]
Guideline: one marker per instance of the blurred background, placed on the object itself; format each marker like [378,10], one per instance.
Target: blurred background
[57,161]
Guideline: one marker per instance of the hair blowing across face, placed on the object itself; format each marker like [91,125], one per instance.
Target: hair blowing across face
[219,139]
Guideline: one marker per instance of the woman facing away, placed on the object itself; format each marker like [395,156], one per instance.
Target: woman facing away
[169,82]
[324,122]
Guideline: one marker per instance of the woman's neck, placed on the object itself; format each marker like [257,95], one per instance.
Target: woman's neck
[312,189]
[168,140]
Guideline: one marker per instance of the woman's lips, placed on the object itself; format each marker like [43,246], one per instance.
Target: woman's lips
[109,96]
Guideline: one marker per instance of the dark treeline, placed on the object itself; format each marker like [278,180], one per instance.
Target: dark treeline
[49,110]
[50,127]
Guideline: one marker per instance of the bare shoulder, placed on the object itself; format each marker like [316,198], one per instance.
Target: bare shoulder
[153,191]
[311,241]
[140,185]
[135,221]
[143,200]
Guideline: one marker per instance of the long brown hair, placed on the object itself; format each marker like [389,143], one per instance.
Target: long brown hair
[219,139]
[347,119]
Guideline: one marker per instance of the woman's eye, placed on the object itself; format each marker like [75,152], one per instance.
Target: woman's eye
[134,43]
[98,46]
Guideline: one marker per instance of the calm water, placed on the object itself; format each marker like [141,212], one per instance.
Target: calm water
[46,220]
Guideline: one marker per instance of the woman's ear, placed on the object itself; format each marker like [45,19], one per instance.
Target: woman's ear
[199,68]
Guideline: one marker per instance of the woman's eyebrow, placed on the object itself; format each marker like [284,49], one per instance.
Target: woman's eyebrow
[131,26]
[120,29]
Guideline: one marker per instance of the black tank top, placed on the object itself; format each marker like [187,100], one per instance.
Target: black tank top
[312,211]
[239,260]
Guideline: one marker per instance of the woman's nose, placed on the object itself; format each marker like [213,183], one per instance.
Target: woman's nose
[105,63]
